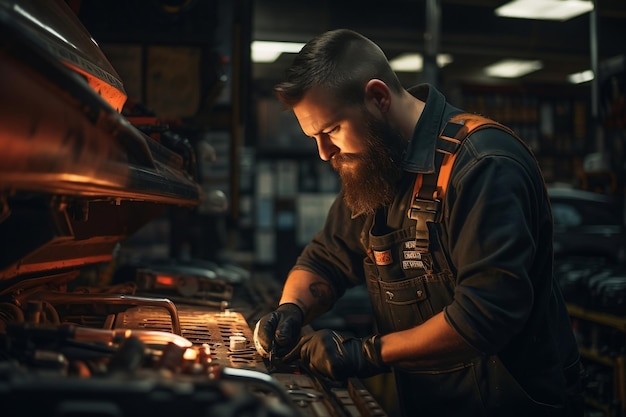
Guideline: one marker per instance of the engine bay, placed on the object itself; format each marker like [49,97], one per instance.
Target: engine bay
[83,331]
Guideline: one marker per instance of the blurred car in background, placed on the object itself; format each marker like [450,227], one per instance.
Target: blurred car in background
[588,224]
[590,248]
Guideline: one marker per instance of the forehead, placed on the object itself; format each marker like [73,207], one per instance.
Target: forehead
[318,109]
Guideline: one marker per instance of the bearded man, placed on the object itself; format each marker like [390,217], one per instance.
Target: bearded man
[469,317]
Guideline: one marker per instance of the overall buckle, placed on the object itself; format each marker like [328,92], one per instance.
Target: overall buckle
[424,211]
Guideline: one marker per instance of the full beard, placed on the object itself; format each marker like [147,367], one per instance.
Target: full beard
[370,179]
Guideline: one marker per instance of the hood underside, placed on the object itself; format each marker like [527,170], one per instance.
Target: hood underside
[75,176]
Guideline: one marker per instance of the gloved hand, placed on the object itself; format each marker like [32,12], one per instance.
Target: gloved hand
[278,332]
[335,356]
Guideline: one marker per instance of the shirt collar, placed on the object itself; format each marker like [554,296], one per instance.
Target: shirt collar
[420,152]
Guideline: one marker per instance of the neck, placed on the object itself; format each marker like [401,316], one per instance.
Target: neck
[407,112]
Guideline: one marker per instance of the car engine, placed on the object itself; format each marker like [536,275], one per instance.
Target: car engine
[160,337]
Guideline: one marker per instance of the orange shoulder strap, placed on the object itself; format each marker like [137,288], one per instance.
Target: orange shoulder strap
[430,189]
[462,125]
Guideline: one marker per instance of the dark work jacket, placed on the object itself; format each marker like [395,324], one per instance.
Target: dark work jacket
[489,270]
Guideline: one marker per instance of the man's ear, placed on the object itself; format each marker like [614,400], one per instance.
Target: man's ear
[377,96]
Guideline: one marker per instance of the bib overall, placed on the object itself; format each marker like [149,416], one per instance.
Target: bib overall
[410,279]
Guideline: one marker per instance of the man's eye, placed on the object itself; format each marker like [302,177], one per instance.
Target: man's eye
[331,131]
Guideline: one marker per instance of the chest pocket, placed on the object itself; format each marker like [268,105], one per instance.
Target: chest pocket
[405,284]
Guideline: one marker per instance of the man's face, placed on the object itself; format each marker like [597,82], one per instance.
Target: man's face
[370,178]
[364,150]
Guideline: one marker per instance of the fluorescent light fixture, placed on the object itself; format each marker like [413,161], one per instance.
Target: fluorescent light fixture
[269,51]
[412,62]
[544,9]
[580,77]
[512,68]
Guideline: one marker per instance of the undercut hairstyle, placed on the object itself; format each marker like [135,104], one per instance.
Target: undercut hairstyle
[341,60]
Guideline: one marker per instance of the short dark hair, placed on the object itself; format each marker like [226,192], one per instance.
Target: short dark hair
[342,61]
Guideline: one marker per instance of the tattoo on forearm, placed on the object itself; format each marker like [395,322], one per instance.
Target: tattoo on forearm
[322,292]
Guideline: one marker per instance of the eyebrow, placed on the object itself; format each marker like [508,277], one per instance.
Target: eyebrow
[325,127]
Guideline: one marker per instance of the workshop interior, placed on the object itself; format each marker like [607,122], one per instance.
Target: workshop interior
[154,194]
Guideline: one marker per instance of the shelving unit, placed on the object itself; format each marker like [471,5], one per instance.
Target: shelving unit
[554,123]
[591,326]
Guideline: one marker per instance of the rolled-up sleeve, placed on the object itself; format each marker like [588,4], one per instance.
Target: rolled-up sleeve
[336,252]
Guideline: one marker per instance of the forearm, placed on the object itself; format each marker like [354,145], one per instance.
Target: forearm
[434,342]
[309,291]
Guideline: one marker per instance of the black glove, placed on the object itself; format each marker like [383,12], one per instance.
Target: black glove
[332,355]
[277,333]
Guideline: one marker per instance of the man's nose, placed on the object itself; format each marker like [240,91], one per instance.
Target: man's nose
[326,148]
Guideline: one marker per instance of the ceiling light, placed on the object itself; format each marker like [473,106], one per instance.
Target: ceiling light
[512,68]
[545,9]
[580,77]
[269,51]
[412,62]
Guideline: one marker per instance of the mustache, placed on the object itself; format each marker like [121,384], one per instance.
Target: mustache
[346,157]
[342,158]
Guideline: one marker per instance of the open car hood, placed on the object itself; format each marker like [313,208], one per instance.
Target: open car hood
[75,176]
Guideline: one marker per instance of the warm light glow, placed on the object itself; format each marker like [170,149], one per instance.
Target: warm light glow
[544,9]
[412,62]
[269,51]
[580,77]
[512,68]
[165,280]
[190,354]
